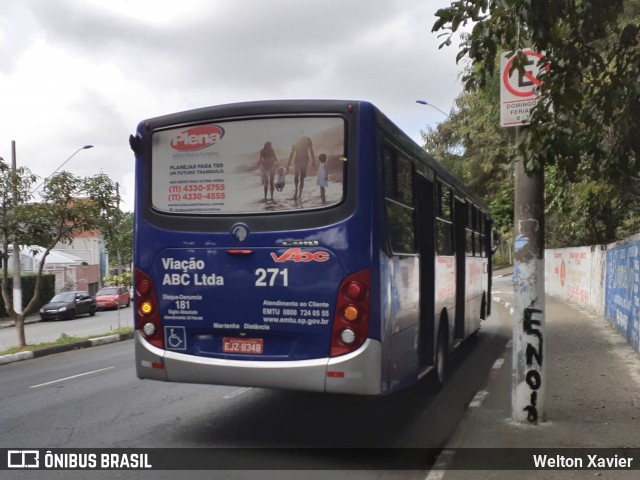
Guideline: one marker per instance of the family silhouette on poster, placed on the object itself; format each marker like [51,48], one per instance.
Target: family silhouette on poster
[273,175]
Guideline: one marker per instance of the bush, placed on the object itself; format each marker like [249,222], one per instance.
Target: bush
[28,284]
[500,261]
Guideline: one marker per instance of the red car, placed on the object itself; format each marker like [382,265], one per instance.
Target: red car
[113,297]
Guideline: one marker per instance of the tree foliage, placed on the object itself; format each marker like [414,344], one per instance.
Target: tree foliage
[585,133]
[15,190]
[118,234]
[472,146]
[69,205]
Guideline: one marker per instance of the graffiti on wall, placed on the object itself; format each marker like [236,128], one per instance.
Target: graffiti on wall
[568,273]
[607,278]
[622,295]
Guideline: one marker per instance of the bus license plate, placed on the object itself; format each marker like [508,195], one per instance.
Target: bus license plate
[249,346]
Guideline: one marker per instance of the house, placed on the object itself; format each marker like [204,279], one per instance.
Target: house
[90,246]
[72,272]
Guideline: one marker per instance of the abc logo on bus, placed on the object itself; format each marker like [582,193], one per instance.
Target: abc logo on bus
[196,138]
[297,255]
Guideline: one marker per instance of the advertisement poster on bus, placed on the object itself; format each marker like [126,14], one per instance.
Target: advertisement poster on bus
[249,166]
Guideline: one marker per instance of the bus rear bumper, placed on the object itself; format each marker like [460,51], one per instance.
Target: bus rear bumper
[356,373]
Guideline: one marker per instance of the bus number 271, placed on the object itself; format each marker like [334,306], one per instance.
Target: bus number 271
[268,277]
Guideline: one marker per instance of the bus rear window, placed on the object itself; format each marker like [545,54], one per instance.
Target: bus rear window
[249,166]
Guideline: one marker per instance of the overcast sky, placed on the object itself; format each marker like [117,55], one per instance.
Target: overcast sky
[77,72]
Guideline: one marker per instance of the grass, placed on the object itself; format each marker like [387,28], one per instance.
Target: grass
[64,339]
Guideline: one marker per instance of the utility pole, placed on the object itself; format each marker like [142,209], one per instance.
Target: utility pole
[519,93]
[17,281]
[529,379]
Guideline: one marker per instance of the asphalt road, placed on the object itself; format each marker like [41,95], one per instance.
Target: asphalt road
[91,398]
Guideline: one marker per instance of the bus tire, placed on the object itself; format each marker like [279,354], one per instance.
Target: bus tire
[483,307]
[439,377]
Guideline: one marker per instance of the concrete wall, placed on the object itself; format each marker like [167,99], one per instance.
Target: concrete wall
[76,278]
[603,279]
[622,301]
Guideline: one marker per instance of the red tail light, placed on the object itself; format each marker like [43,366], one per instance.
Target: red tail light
[147,314]
[351,320]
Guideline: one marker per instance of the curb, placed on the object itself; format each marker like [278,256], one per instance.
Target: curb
[445,458]
[92,342]
[506,304]
[10,323]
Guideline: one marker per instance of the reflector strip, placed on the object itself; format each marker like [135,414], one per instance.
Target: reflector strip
[335,374]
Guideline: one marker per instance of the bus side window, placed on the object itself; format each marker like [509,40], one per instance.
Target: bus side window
[398,189]
[405,180]
[483,235]
[400,225]
[444,224]
[469,243]
[469,230]
[390,173]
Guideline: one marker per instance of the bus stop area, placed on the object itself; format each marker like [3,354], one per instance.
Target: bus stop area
[592,407]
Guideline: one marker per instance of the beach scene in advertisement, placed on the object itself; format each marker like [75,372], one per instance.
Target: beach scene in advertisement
[249,166]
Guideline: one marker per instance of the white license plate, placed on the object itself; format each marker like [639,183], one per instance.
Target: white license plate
[248,346]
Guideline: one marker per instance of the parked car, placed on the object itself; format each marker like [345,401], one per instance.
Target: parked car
[68,305]
[113,297]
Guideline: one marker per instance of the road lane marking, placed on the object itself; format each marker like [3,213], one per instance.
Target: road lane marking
[236,393]
[497,365]
[478,399]
[442,465]
[71,377]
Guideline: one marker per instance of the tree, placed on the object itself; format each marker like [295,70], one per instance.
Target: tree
[119,238]
[585,134]
[69,205]
[15,190]
[471,145]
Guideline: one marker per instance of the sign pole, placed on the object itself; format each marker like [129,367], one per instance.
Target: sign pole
[528,366]
[519,94]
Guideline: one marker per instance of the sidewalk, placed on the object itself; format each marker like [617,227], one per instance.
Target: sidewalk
[592,399]
[8,323]
[43,352]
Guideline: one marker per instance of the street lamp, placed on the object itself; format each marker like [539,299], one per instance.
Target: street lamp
[60,166]
[424,102]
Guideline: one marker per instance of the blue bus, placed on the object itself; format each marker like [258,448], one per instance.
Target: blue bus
[307,245]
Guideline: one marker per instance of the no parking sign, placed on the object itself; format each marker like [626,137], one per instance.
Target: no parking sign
[518,91]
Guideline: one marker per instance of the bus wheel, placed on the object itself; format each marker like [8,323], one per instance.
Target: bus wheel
[483,307]
[439,376]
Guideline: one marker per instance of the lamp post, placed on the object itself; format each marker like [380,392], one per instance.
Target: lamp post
[85,147]
[424,102]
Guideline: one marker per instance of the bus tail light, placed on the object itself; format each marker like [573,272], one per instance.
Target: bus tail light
[351,320]
[147,315]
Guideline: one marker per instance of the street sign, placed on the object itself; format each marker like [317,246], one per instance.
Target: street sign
[518,91]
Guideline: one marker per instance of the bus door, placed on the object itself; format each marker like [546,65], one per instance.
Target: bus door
[425,220]
[460,222]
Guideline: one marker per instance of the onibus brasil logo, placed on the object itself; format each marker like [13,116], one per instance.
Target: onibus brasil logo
[196,138]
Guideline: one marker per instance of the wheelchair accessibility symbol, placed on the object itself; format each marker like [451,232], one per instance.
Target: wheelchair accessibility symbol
[175,338]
